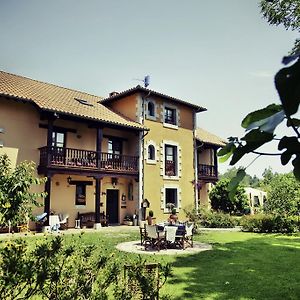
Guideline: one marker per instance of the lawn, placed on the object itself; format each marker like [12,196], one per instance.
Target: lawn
[240,266]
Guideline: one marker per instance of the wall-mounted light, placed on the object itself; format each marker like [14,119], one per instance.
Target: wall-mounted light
[114,181]
[69,179]
[2,130]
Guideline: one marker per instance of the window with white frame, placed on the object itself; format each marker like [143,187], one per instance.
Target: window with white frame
[171,198]
[151,109]
[170,115]
[151,152]
[170,160]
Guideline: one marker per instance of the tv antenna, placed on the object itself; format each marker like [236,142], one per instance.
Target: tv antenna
[146,80]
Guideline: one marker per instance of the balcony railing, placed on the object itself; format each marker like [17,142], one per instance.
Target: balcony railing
[86,159]
[170,168]
[207,171]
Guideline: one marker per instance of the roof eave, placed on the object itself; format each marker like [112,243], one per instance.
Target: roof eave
[142,89]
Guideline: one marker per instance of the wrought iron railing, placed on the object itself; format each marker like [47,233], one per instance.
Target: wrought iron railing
[207,171]
[170,168]
[86,159]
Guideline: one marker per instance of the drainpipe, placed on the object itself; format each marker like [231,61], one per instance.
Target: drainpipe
[141,155]
[195,164]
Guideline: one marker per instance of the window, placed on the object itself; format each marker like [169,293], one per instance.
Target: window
[151,109]
[80,194]
[170,160]
[58,139]
[151,152]
[114,146]
[256,201]
[171,198]
[170,116]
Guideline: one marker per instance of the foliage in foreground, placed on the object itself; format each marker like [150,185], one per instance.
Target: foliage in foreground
[269,223]
[16,198]
[56,270]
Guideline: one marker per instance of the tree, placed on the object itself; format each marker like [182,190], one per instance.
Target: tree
[283,12]
[16,198]
[248,180]
[283,195]
[261,124]
[220,199]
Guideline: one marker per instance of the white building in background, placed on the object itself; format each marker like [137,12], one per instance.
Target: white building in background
[256,198]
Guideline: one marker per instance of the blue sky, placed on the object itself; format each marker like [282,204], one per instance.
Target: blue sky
[219,54]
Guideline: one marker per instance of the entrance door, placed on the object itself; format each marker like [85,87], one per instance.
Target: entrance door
[112,206]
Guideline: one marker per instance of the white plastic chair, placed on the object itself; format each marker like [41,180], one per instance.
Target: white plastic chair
[63,221]
[188,236]
[171,233]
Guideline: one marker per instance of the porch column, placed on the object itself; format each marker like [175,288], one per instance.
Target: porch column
[216,162]
[97,203]
[49,140]
[99,145]
[47,198]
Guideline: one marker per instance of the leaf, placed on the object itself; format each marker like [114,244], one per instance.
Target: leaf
[261,114]
[234,183]
[293,121]
[269,124]
[290,143]
[256,136]
[285,157]
[226,152]
[254,139]
[288,87]
[296,164]
[226,149]
[288,59]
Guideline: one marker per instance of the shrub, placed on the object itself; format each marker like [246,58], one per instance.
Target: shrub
[268,223]
[55,270]
[212,219]
[221,201]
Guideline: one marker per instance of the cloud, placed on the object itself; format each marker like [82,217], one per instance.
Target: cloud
[262,74]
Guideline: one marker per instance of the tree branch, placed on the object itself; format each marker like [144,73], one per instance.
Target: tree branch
[266,153]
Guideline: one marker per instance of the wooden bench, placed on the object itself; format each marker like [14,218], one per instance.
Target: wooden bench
[88,219]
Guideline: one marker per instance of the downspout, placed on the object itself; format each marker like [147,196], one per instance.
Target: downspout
[195,165]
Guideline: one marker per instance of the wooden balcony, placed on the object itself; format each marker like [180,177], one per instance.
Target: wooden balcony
[77,159]
[207,172]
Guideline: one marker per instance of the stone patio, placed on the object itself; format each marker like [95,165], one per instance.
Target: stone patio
[135,247]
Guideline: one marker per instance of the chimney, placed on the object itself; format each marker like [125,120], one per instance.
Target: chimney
[114,93]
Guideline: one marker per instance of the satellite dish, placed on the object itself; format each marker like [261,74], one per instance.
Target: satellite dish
[146,80]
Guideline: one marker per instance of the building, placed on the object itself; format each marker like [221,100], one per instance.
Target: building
[207,145]
[118,155]
[257,199]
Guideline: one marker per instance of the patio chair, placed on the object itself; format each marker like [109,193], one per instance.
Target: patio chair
[63,221]
[39,221]
[170,236]
[154,238]
[143,233]
[189,232]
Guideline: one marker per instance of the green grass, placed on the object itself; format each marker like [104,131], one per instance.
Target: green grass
[240,266]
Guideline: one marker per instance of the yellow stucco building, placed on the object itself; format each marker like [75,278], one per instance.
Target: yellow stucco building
[108,156]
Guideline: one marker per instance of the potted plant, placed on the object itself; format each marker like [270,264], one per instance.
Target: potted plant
[150,218]
[128,220]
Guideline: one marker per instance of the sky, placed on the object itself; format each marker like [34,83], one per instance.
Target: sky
[221,55]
